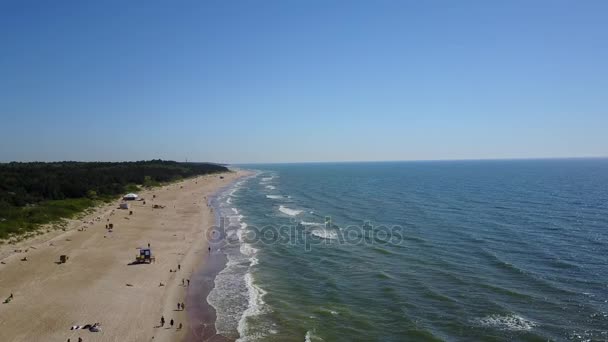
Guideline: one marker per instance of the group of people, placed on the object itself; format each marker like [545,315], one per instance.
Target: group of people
[181,306]
[171,322]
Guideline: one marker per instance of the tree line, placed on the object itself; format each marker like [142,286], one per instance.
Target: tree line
[28,183]
[24,185]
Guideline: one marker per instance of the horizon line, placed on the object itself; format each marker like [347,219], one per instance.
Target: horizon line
[313,162]
[419,160]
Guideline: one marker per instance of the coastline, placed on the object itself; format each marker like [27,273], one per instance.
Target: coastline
[96,284]
[202,315]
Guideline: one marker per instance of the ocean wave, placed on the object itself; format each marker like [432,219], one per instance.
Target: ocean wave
[247,249]
[235,220]
[232,295]
[266,180]
[307,337]
[270,187]
[229,296]
[325,234]
[509,322]
[304,223]
[288,211]
[255,307]
[274,196]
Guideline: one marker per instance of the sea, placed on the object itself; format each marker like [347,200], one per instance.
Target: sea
[501,250]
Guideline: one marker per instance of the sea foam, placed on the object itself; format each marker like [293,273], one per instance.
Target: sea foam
[256,306]
[325,234]
[278,196]
[304,223]
[507,322]
[288,211]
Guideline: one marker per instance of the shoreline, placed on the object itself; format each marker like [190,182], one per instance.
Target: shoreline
[97,285]
[202,316]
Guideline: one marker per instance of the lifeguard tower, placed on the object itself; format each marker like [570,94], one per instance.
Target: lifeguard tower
[145,256]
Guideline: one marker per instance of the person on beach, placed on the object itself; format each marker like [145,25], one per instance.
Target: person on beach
[171,322]
[182,281]
[188,282]
[179,306]
[183,306]
[209,248]
[79,339]
[162,321]
[179,267]
[179,327]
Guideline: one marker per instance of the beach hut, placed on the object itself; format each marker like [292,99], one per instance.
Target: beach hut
[130,197]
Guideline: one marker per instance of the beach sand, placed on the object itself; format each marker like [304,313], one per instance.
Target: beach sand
[97,284]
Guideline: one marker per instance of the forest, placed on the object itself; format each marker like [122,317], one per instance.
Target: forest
[36,193]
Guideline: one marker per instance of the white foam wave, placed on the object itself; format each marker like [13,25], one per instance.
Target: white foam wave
[311,337]
[270,187]
[304,223]
[256,306]
[234,295]
[325,234]
[507,322]
[276,196]
[247,249]
[254,261]
[229,296]
[288,211]
[235,220]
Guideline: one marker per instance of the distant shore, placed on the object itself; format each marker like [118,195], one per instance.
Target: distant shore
[96,284]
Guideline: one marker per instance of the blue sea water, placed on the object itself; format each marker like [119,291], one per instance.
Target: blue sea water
[420,251]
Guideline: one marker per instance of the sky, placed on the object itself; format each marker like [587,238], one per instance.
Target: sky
[296,81]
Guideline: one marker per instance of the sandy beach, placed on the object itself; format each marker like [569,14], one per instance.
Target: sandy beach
[97,284]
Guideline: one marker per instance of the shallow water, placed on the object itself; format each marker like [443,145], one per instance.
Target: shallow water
[483,250]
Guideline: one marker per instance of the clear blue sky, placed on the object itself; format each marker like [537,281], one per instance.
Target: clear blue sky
[286,81]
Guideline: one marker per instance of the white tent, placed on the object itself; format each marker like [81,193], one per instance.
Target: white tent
[130,197]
